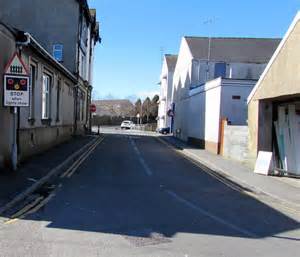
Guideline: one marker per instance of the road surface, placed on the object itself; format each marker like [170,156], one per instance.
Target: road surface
[134,196]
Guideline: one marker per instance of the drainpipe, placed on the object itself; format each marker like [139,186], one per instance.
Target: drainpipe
[75,108]
[77,68]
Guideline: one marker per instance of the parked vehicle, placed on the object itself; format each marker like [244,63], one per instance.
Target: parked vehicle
[127,124]
[164,131]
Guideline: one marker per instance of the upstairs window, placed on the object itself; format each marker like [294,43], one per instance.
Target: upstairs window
[83,67]
[220,70]
[195,72]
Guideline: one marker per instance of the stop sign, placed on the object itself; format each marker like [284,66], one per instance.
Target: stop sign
[93,108]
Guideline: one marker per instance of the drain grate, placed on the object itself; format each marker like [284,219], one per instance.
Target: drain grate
[146,237]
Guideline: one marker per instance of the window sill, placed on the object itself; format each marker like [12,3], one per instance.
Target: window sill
[46,122]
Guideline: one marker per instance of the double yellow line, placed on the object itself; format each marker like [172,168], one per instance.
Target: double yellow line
[40,201]
[232,185]
[31,208]
[71,170]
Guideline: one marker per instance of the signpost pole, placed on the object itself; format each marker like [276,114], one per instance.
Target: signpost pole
[15,146]
[16,95]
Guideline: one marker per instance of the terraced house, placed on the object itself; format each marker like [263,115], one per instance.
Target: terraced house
[57,46]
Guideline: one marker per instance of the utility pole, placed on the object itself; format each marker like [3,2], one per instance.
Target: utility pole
[209,21]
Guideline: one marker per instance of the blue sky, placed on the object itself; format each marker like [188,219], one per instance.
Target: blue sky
[128,62]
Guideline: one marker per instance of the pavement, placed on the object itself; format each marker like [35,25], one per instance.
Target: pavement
[13,184]
[286,190]
[135,196]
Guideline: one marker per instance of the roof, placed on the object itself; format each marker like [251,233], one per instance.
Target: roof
[122,107]
[85,6]
[244,50]
[18,34]
[91,15]
[274,57]
[171,61]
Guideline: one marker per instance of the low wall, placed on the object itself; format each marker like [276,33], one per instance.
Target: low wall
[37,140]
[235,142]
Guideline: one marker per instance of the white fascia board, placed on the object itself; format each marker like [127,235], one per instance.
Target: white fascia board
[276,53]
[207,86]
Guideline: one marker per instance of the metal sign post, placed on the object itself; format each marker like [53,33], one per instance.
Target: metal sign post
[14,156]
[16,94]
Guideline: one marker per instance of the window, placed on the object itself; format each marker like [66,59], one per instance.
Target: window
[58,52]
[78,105]
[195,72]
[83,66]
[220,70]
[236,97]
[82,105]
[84,35]
[58,99]
[32,90]
[46,96]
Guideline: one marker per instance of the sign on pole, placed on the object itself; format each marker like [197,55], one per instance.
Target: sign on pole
[16,83]
[93,108]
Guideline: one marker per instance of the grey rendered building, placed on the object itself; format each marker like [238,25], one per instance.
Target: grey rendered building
[56,41]
[69,31]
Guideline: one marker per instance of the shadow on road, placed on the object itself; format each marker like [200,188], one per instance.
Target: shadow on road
[111,194]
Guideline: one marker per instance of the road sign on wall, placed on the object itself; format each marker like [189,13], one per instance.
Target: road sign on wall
[16,83]
[93,108]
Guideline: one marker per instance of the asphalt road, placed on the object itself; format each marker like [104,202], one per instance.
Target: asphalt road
[136,197]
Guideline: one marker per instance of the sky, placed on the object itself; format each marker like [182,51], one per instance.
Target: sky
[135,34]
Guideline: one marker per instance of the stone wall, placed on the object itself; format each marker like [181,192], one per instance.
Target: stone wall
[235,145]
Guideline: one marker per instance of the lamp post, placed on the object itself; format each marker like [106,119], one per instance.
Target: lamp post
[138,118]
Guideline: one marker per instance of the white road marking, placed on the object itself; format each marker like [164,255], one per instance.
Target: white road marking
[141,159]
[210,215]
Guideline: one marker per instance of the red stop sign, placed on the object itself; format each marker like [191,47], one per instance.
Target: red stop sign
[93,108]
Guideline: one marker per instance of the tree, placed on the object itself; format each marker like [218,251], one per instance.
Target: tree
[138,110]
[147,109]
[154,107]
[138,107]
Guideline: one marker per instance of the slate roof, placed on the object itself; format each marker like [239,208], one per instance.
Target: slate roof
[243,50]
[85,5]
[171,61]
[122,107]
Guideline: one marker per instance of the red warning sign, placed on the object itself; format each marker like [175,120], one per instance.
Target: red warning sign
[16,83]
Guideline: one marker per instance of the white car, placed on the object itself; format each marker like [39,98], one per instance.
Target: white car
[127,124]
